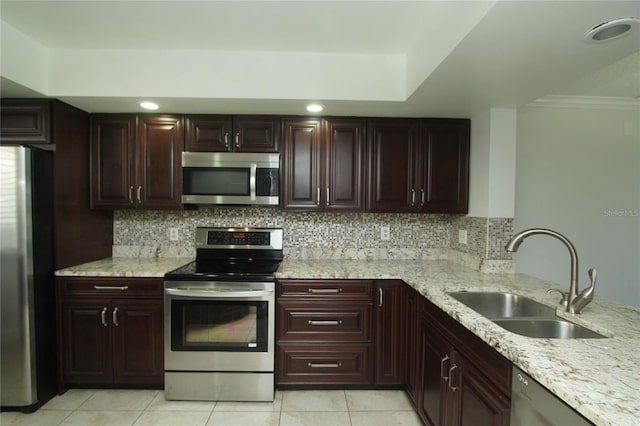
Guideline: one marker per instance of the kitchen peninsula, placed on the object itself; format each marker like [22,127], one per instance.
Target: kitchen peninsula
[596,377]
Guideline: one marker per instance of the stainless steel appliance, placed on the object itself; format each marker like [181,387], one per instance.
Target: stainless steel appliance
[230,178]
[220,317]
[533,405]
[28,345]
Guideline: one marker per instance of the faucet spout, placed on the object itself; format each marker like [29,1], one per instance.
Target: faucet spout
[575,301]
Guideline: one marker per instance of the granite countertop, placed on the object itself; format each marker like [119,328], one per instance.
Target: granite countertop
[125,267]
[597,377]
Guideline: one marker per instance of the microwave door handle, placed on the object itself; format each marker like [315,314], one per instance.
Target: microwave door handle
[219,294]
[252,181]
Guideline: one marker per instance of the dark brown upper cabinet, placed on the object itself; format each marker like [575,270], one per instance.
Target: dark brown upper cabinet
[25,121]
[444,163]
[418,165]
[136,161]
[222,133]
[323,164]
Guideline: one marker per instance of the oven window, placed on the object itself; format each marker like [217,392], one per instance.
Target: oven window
[213,325]
[215,181]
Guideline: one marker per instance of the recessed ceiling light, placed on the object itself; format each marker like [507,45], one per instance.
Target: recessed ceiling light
[611,30]
[149,105]
[314,107]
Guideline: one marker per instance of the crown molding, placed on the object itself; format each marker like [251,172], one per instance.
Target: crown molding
[587,102]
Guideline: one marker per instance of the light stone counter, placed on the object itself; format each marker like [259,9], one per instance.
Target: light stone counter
[600,378]
[125,267]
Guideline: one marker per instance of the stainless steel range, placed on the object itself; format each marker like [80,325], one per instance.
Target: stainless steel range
[220,317]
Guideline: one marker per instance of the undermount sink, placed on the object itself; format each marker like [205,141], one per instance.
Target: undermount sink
[503,305]
[551,328]
[522,315]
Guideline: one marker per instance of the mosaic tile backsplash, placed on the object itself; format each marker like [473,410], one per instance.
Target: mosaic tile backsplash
[317,235]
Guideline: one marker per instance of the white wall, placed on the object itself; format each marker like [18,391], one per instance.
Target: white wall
[492,163]
[578,172]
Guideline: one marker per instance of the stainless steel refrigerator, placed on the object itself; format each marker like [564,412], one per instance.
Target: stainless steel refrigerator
[28,334]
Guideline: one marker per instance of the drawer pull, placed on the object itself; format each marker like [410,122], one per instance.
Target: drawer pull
[111,287]
[325,290]
[327,365]
[325,322]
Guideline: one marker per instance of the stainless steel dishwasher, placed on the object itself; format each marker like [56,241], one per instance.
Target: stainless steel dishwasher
[533,405]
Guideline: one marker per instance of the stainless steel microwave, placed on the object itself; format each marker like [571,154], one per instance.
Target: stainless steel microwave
[234,178]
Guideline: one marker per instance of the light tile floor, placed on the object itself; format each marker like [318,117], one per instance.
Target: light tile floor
[290,408]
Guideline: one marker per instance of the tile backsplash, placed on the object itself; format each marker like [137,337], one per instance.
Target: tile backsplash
[318,235]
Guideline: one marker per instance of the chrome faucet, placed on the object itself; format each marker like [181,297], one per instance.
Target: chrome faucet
[575,302]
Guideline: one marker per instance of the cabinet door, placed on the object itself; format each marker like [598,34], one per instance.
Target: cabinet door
[475,397]
[208,133]
[412,344]
[389,318]
[86,341]
[391,174]
[25,121]
[113,161]
[256,134]
[344,154]
[160,142]
[301,164]
[436,361]
[137,341]
[444,166]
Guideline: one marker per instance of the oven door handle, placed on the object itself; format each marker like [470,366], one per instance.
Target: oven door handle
[208,293]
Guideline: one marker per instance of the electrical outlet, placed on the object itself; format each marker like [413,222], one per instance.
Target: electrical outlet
[385,233]
[462,236]
[173,234]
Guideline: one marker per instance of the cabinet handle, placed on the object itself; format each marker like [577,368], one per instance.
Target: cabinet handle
[318,196]
[328,365]
[111,287]
[453,388]
[442,376]
[422,197]
[226,140]
[324,322]
[238,140]
[380,293]
[139,194]
[131,194]
[413,197]
[115,317]
[327,195]
[325,290]
[103,315]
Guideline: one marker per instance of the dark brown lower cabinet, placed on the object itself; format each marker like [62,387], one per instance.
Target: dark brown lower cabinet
[463,381]
[110,331]
[389,336]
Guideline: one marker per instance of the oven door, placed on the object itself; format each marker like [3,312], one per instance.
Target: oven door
[219,326]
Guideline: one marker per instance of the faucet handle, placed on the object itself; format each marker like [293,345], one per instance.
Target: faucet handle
[593,274]
[563,294]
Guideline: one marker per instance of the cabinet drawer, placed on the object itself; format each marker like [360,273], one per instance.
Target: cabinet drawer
[325,289]
[123,287]
[326,364]
[324,321]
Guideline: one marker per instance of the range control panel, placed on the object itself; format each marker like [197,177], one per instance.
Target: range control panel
[254,238]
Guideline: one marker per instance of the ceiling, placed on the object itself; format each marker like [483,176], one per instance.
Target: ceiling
[366,58]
